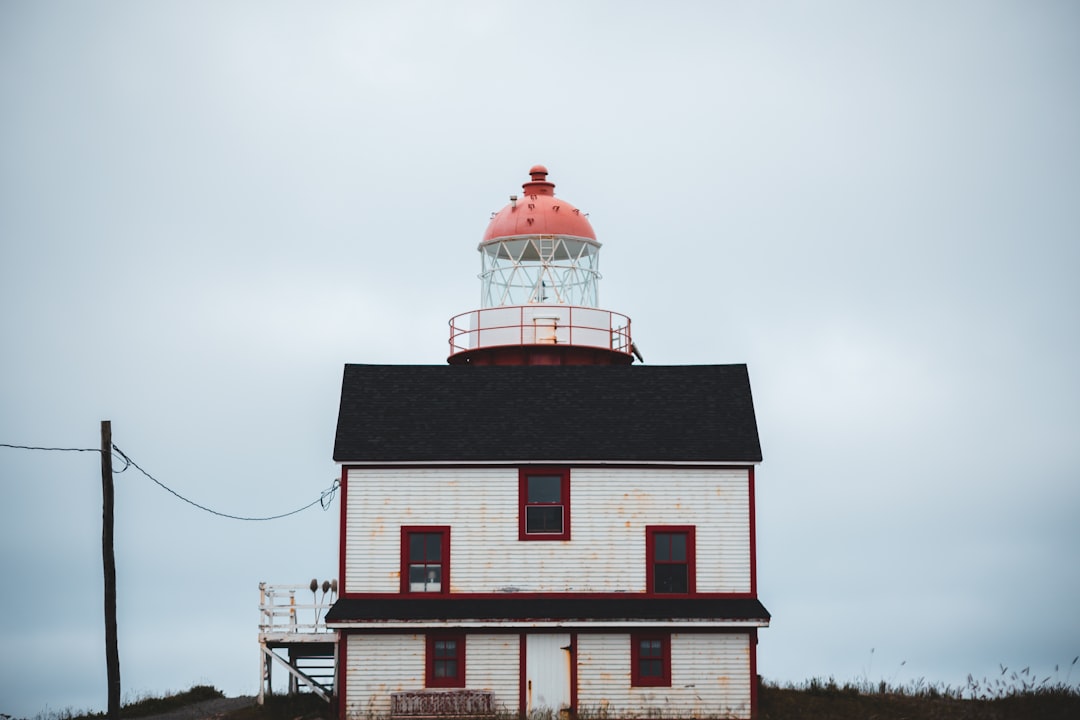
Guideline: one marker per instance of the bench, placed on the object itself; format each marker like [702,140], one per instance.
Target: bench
[442,703]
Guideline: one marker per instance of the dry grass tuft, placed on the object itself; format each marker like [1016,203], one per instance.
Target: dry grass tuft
[1015,697]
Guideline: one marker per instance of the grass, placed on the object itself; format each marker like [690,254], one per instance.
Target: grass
[1016,698]
[305,706]
[143,707]
[167,703]
[1019,699]
[1010,696]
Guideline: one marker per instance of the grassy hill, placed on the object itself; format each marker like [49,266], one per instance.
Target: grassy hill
[1013,698]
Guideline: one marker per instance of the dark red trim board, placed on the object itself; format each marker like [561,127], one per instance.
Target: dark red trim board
[342,590]
[753,674]
[521,675]
[343,664]
[573,674]
[753,535]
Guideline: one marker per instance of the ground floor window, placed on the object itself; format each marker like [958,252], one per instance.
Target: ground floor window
[445,664]
[650,659]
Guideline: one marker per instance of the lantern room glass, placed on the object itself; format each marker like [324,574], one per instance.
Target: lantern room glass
[540,269]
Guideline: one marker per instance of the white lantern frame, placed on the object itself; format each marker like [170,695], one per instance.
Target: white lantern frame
[545,269]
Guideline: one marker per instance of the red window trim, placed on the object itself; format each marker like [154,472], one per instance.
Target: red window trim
[429,662]
[664,679]
[523,496]
[406,531]
[650,557]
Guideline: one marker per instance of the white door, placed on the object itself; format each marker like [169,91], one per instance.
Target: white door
[547,672]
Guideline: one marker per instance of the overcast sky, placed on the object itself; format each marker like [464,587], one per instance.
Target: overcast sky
[208,208]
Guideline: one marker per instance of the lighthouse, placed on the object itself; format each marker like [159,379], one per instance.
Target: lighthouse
[541,527]
[539,294]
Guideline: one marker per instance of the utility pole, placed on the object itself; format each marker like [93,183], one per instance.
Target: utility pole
[112,651]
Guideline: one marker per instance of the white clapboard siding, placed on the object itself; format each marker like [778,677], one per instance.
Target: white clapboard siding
[491,663]
[710,677]
[610,509]
[377,665]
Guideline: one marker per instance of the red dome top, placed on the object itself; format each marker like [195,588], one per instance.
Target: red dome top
[539,212]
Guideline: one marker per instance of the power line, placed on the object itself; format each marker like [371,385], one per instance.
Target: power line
[126,462]
[55,449]
[325,497]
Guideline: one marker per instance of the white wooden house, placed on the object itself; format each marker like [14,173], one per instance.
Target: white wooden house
[563,534]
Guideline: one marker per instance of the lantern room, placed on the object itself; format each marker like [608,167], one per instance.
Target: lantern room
[539,292]
[539,249]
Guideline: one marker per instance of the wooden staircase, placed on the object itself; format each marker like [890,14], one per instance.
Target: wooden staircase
[298,630]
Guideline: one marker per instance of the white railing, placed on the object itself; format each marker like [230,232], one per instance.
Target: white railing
[286,609]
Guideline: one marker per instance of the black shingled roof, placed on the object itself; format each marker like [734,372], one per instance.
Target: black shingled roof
[462,413]
[395,607]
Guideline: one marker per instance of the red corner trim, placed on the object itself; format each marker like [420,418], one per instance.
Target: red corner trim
[521,675]
[341,533]
[753,536]
[573,675]
[343,663]
[754,680]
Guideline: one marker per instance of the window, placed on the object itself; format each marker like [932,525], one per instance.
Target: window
[650,660]
[670,558]
[544,498]
[425,560]
[445,665]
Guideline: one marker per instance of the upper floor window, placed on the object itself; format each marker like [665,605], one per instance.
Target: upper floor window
[650,658]
[425,559]
[445,664]
[544,500]
[670,558]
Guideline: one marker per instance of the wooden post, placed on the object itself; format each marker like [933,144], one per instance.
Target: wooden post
[112,652]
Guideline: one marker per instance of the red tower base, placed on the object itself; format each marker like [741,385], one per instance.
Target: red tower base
[540,355]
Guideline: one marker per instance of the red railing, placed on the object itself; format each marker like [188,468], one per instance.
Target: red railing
[515,325]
